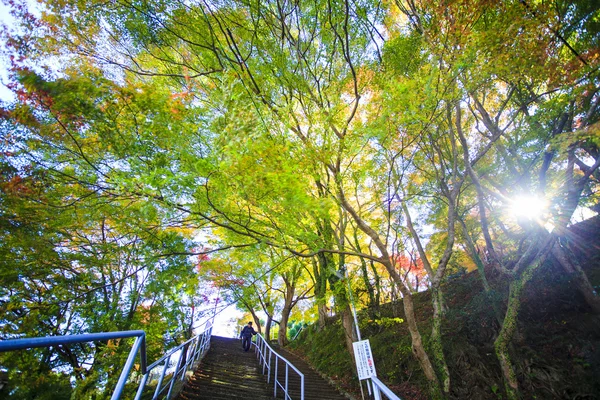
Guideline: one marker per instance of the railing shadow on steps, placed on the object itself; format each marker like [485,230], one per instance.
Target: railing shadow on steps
[190,352]
[269,359]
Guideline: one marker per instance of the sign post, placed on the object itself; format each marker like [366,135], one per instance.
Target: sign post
[365,365]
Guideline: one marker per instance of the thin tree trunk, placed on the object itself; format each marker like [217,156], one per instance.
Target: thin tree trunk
[377,283]
[572,266]
[256,321]
[373,304]
[409,312]
[481,271]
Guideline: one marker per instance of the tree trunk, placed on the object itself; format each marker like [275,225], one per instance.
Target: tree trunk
[268,327]
[437,347]
[365,276]
[319,268]
[343,309]
[322,308]
[472,251]
[349,329]
[373,303]
[409,312]
[509,327]
[502,343]
[282,336]
[285,314]
[418,349]
[377,284]
[256,321]
[572,267]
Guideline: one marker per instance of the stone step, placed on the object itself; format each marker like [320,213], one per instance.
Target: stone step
[226,373]
[229,373]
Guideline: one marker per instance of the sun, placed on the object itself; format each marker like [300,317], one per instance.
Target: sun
[530,207]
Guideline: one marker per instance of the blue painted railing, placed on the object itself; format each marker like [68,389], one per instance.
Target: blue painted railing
[188,353]
[379,388]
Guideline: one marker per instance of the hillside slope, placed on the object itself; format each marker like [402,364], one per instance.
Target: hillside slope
[557,351]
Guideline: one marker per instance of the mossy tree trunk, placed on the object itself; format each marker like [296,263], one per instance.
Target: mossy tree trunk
[343,309]
[437,348]
[522,273]
[418,348]
[502,343]
[320,288]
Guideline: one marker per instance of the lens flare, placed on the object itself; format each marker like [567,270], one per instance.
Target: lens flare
[530,207]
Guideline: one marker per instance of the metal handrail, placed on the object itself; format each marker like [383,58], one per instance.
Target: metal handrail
[189,352]
[195,348]
[262,348]
[379,387]
[140,344]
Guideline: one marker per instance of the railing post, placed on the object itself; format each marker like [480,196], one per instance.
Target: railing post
[286,380]
[190,359]
[139,343]
[275,376]
[376,393]
[160,380]
[264,362]
[205,340]
[140,390]
[268,356]
[174,377]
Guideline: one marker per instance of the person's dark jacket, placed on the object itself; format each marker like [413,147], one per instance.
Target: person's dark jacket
[248,331]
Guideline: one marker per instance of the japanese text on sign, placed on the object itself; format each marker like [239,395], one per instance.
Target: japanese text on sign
[365,365]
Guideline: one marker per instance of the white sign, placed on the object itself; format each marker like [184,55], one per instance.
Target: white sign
[365,365]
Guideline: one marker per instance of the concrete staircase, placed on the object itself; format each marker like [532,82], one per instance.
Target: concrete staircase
[229,373]
[315,387]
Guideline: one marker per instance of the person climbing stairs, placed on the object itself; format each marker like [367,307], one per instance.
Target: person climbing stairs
[227,373]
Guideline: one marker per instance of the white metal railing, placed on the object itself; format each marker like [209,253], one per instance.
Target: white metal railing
[186,354]
[379,388]
[270,361]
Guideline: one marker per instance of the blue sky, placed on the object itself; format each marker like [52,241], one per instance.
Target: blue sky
[5,19]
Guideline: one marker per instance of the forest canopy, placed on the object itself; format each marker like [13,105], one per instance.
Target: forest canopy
[285,153]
